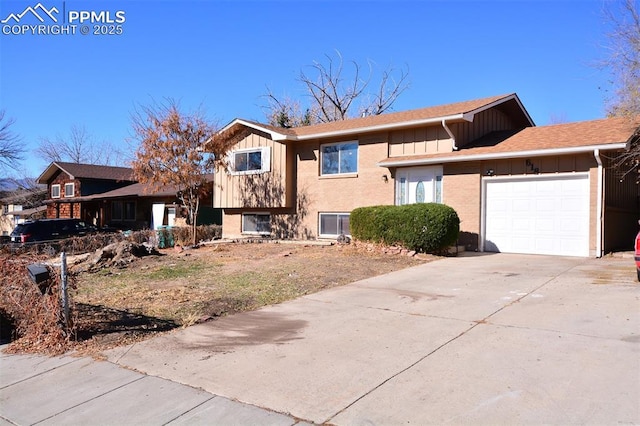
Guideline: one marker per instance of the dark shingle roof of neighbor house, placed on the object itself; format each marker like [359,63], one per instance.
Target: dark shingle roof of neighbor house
[91,171]
[608,133]
[137,190]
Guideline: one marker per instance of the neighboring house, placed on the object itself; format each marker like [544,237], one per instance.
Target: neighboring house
[517,188]
[143,206]
[69,183]
[8,217]
[107,196]
[16,208]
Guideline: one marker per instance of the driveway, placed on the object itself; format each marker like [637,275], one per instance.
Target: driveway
[480,339]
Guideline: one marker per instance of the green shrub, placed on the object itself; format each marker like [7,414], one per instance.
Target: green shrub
[424,227]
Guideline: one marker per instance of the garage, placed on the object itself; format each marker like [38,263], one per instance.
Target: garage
[537,215]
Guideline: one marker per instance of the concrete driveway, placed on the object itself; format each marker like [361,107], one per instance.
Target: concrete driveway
[480,339]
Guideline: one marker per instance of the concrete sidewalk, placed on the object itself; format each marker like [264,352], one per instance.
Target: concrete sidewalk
[479,339]
[81,391]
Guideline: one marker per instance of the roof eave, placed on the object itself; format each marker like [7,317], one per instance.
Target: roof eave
[49,171]
[501,155]
[470,114]
[274,135]
[383,127]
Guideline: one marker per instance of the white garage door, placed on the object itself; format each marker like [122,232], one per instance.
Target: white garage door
[538,215]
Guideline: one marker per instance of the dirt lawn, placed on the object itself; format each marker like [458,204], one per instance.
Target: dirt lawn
[178,288]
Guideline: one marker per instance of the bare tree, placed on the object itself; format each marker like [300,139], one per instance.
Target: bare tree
[10,149]
[336,94]
[175,149]
[78,146]
[287,112]
[624,64]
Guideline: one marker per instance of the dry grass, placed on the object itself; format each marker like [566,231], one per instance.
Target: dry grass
[179,288]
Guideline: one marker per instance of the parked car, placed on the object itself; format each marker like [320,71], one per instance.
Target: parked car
[637,254]
[49,230]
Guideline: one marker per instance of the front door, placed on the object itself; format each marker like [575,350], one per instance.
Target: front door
[419,185]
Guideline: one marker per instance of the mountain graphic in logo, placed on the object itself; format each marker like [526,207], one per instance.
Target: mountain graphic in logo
[34,11]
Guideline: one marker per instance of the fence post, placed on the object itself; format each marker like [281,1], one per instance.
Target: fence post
[63,288]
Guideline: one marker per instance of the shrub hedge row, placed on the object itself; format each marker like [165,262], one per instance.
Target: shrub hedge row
[423,227]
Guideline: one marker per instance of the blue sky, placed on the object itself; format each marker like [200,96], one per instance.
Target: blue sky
[221,56]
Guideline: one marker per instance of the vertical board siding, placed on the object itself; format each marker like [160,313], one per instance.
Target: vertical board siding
[622,191]
[485,122]
[269,189]
[421,140]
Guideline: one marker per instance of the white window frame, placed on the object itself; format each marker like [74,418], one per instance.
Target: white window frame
[265,159]
[56,186]
[244,231]
[354,173]
[73,190]
[337,214]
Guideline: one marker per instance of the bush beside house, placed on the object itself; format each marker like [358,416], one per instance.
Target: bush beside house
[424,227]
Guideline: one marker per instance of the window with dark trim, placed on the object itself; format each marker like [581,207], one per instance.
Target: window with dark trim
[123,211]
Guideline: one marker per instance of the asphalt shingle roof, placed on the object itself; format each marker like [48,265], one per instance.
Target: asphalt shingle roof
[608,131]
[87,171]
[391,119]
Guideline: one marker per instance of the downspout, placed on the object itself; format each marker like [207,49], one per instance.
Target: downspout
[453,138]
[599,201]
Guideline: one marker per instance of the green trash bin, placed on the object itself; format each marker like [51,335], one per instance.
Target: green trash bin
[165,237]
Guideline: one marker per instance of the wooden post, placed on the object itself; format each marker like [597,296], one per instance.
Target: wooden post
[63,289]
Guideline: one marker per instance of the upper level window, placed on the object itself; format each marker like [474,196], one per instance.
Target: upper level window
[250,161]
[339,158]
[69,190]
[55,191]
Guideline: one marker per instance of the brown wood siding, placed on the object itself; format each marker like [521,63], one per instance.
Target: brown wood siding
[622,208]
[538,165]
[417,141]
[263,190]
[622,191]
[483,123]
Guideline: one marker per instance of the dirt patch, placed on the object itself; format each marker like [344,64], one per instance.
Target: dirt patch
[126,295]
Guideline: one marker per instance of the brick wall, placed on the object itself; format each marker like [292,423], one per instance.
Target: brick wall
[461,190]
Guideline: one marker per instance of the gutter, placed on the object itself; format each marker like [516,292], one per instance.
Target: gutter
[453,138]
[276,136]
[379,127]
[499,155]
[599,202]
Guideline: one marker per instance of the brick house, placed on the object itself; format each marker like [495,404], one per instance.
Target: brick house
[108,196]
[68,185]
[516,187]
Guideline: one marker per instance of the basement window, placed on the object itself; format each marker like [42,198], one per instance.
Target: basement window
[256,223]
[332,225]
